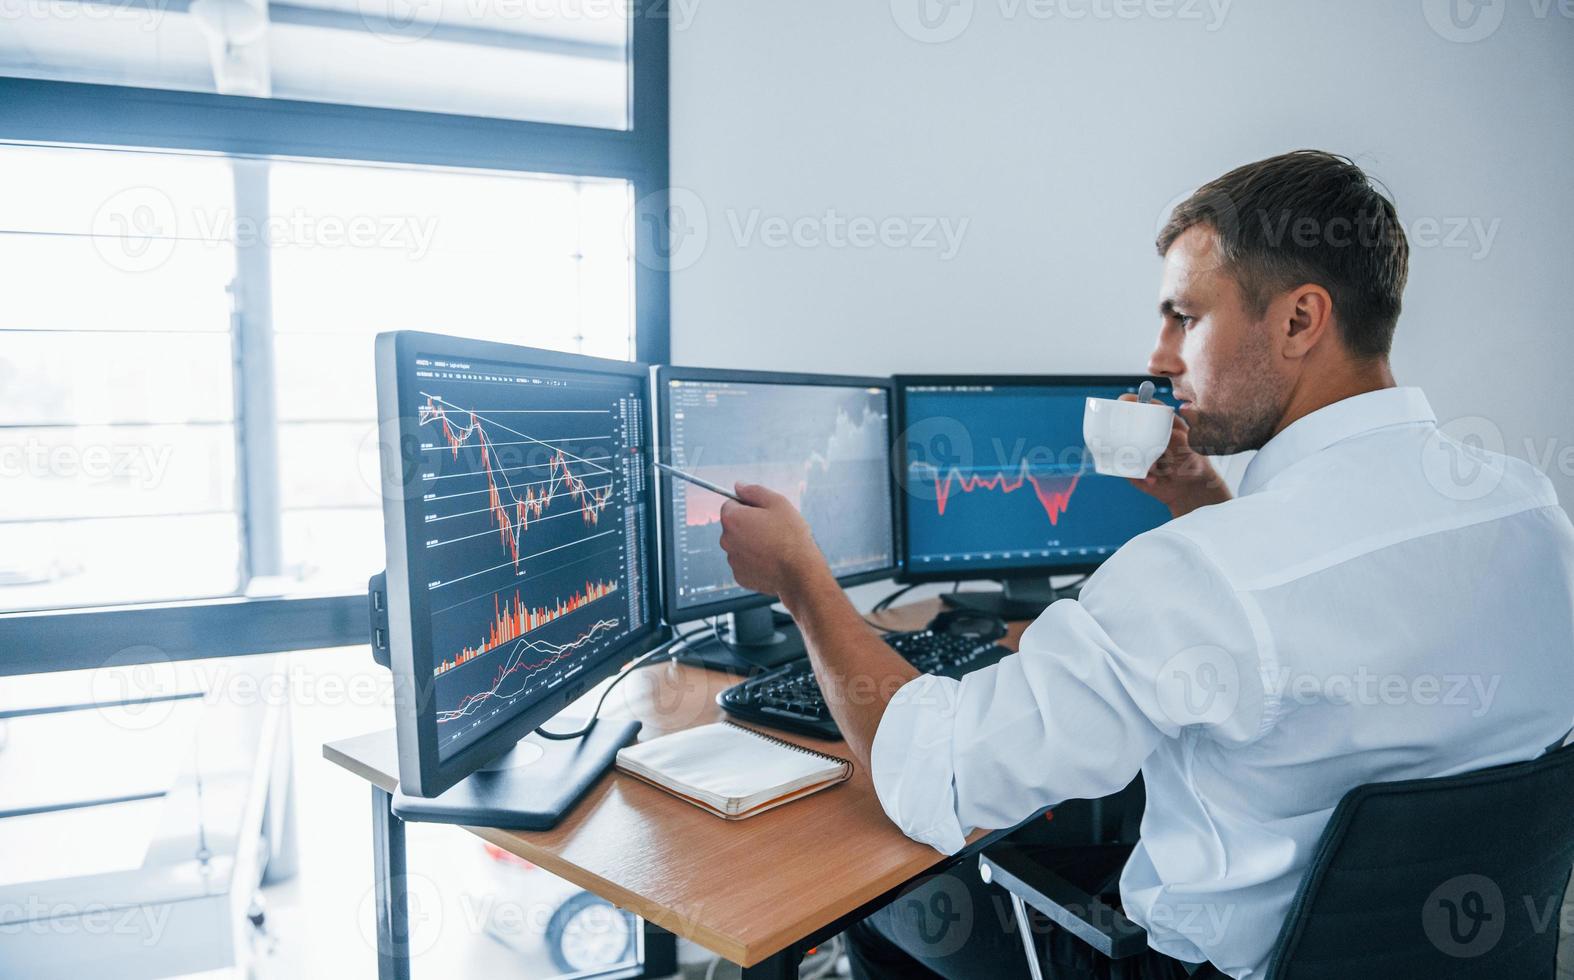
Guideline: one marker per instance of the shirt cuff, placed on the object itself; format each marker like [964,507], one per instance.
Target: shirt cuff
[910,762]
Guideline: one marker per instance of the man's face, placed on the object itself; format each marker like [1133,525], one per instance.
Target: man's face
[1221,359]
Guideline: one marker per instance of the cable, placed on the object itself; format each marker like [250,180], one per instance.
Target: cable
[875,610]
[658,655]
[595,714]
[885,603]
[684,638]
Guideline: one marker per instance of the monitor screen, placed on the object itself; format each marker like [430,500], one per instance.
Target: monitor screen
[997,482]
[528,529]
[823,442]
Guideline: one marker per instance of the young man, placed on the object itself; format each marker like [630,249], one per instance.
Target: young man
[1380,602]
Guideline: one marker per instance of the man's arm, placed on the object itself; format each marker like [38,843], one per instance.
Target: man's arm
[771,550]
[857,670]
[1099,684]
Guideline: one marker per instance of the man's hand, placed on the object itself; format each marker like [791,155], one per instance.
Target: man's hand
[771,550]
[769,545]
[1181,479]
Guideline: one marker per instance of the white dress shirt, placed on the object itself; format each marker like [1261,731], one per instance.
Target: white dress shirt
[1380,602]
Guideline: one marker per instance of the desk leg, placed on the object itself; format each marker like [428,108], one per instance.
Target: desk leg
[780,966]
[1025,930]
[388,875]
[658,952]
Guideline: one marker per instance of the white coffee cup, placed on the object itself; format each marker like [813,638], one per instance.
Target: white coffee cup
[1126,437]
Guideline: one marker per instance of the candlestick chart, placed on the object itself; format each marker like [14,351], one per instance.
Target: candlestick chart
[531,514]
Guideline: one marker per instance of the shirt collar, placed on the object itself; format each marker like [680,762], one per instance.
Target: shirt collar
[1318,430]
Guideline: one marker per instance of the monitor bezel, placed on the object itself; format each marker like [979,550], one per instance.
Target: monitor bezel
[902,382]
[660,376]
[422,770]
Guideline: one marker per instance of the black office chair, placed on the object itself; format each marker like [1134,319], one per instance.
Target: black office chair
[1423,879]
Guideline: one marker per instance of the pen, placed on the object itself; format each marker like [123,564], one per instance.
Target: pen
[705,484]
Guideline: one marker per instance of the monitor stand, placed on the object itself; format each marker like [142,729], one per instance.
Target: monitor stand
[1022,598]
[531,786]
[750,642]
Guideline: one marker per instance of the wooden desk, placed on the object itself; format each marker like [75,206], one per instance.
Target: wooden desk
[758,891]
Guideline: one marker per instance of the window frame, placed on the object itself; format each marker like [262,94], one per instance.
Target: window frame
[92,115]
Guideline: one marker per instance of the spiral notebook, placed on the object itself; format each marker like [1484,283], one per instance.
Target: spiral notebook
[732,771]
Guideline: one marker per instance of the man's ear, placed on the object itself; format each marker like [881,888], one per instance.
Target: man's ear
[1307,316]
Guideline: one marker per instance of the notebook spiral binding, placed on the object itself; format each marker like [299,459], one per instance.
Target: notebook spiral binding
[794,746]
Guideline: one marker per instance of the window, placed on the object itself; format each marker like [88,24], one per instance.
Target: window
[186,353]
[556,61]
[537,261]
[192,275]
[186,322]
[117,421]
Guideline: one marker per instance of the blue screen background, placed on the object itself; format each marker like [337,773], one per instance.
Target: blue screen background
[996,478]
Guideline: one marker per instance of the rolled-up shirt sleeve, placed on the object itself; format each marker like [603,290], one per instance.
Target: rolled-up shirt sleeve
[1159,642]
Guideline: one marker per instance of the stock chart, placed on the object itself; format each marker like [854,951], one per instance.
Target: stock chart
[531,488]
[998,475]
[825,447]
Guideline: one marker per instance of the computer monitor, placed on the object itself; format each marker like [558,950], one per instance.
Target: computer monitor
[822,440]
[520,529]
[996,483]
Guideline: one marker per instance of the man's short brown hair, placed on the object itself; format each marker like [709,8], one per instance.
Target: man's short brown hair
[1307,217]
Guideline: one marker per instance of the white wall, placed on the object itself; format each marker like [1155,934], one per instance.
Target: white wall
[1062,142]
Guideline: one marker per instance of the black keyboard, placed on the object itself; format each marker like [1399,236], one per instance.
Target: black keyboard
[789,697]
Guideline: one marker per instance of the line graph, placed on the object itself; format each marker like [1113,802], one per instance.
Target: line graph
[1053,491]
[514,620]
[512,512]
[996,477]
[515,664]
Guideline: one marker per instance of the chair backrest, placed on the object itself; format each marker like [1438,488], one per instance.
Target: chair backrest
[1429,879]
